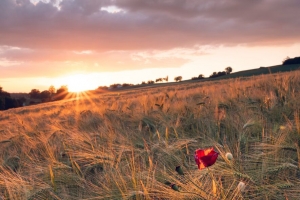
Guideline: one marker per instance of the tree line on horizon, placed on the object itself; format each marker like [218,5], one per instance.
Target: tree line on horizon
[37,96]
[228,70]
[49,95]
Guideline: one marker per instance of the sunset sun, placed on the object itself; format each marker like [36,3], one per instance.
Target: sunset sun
[78,83]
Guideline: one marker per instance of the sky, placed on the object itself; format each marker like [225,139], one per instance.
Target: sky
[91,43]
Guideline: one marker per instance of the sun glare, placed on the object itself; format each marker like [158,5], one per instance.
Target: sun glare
[78,83]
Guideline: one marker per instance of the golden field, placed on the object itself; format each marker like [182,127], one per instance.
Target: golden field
[126,145]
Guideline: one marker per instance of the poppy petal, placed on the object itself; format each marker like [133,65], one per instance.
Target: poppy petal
[208,151]
[205,158]
[201,166]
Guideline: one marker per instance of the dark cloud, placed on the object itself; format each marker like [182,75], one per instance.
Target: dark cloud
[155,24]
[42,38]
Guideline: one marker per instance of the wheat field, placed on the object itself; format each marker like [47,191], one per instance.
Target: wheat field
[127,145]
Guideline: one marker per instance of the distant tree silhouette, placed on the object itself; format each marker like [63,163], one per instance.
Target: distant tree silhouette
[62,89]
[221,73]
[11,103]
[201,76]
[3,93]
[159,80]
[102,88]
[45,95]
[178,78]
[115,85]
[61,93]
[127,84]
[2,104]
[228,70]
[2,100]
[290,61]
[285,59]
[52,90]
[213,75]
[166,79]
[150,82]
[143,83]
[217,74]
[6,102]
[34,94]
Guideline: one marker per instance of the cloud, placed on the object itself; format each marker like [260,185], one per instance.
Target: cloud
[157,24]
[24,62]
[8,63]
[56,36]
[176,53]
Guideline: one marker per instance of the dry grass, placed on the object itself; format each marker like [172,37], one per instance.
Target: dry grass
[127,145]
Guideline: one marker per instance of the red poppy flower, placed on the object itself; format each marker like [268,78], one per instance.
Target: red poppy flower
[205,157]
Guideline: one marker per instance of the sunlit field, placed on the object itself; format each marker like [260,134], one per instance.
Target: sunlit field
[128,145]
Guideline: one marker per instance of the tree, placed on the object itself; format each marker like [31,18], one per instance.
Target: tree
[217,74]
[127,84]
[115,85]
[11,103]
[213,75]
[2,104]
[102,88]
[45,95]
[143,83]
[159,80]
[62,92]
[201,76]
[150,82]
[178,78]
[290,61]
[167,78]
[221,73]
[3,93]
[228,70]
[6,102]
[52,90]
[34,94]
[62,89]
[284,60]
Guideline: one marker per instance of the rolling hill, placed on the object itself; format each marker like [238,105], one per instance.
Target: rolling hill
[140,144]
